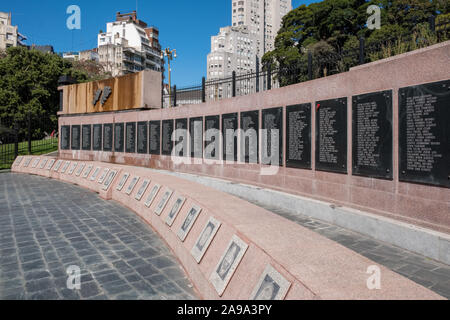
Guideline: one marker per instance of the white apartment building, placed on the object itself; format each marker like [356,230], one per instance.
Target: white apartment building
[9,34]
[128,46]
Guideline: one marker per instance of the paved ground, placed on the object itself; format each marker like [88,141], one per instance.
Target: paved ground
[47,226]
[426,272]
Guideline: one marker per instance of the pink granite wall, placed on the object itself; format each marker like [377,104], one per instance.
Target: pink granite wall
[422,205]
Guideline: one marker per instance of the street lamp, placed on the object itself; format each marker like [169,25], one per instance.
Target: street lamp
[170,54]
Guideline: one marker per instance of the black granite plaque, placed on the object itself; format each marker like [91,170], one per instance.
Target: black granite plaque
[167,143]
[229,136]
[424,134]
[196,137]
[372,135]
[65,137]
[272,126]
[76,135]
[298,136]
[130,145]
[142,137]
[119,137]
[249,136]
[108,136]
[86,133]
[331,135]
[181,137]
[212,137]
[155,137]
[97,137]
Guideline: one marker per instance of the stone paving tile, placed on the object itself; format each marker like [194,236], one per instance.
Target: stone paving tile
[47,226]
[424,271]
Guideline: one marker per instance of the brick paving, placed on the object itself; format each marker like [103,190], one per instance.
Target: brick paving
[47,226]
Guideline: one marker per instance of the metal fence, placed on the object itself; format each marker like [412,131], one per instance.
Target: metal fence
[312,66]
[29,135]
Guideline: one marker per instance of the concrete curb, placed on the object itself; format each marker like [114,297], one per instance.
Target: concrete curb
[430,243]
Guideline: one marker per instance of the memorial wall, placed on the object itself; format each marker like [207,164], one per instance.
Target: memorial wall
[375,138]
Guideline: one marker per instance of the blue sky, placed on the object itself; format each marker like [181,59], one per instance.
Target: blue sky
[184,25]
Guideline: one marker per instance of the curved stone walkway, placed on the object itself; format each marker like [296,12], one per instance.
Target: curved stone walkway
[47,226]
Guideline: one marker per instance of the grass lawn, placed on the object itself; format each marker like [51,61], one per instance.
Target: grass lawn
[38,147]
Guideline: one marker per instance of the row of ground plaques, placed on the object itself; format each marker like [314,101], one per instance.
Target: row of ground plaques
[424,135]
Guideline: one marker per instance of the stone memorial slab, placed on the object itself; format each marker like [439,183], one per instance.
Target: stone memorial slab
[87,171]
[152,195]
[270,286]
[175,210]
[167,144]
[229,134]
[196,137]
[72,168]
[249,136]
[18,161]
[43,163]
[102,177]
[76,137]
[162,203]
[65,167]
[155,137]
[132,184]
[372,135]
[142,189]
[97,137]
[228,264]
[212,137]
[188,222]
[181,138]
[80,169]
[119,136]
[108,137]
[112,174]
[27,162]
[331,135]
[122,181]
[35,162]
[142,137]
[50,164]
[130,145]
[205,238]
[86,133]
[272,137]
[95,174]
[298,136]
[65,137]
[57,165]
[424,135]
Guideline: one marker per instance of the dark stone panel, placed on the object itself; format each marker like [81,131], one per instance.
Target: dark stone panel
[155,137]
[86,133]
[272,124]
[196,137]
[249,136]
[142,137]
[65,137]
[76,137]
[372,135]
[130,145]
[212,142]
[298,136]
[97,137]
[119,137]
[108,136]
[181,137]
[167,143]
[331,135]
[424,134]
[230,123]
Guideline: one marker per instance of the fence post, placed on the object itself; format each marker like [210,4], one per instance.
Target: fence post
[203,89]
[257,74]
[269,76]
[362,57]
[174,95]
[16,139]
[29,132]
[310,75]
[233,84]
[432,21]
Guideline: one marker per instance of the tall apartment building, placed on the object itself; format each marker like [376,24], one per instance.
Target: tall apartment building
[9,34]
[129,45]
